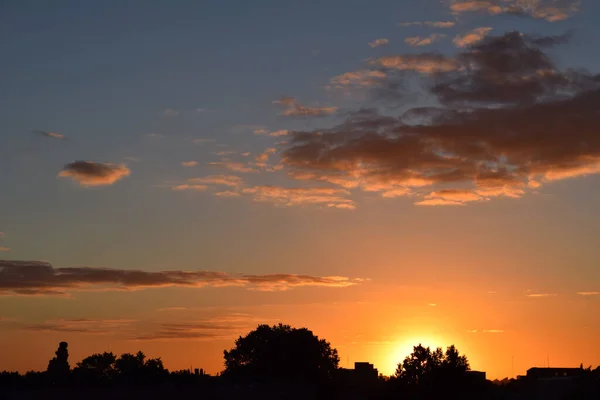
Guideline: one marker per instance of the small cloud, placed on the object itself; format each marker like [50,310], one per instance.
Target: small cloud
[189,163]
[425,63]
[260,131]
[360,79]
[330,197]
[171,309]
[201,110]
[423,41]
[439,202]
[472,37]
[294,109]
[432,305]
[234,166]
[169,112]
[550,10]
[153,135]
[541,295]
[493,331]
[281,132]
[224,180]
[186,186]
[227,193]
[52,135]
[588,293]
[89,173]
[379,42]
[245,154]
[4,249]
[472,330]
[431,24]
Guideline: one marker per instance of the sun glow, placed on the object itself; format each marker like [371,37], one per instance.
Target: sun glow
[405,347]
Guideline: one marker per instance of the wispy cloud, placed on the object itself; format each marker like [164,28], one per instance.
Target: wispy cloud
[170,112]
[423,40]
[224,180]
[203,141]
[188,186]
[189,163]
[52,135]
[379,42]
[431,24]
[541,294]
[227,193]
[550,10]
[330,197]
[280,132]
[493,331]
[295,109]
[80,326]
[362,78]
[89,173]
[472,37]
[41,278]
[425,63]
[588,293]
[234,166]
[4,249]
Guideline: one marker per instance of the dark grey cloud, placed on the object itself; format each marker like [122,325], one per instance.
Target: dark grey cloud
[41,278]
[52,135]
[507,120]
[89,173]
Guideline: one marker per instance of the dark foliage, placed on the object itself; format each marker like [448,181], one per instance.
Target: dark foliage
[281,353]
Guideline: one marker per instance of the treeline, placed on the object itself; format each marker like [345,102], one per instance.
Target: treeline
[276,362]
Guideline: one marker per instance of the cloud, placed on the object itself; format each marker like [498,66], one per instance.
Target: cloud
[4,249]
[189,163]
[227,193]
[79,326]
[234,166]
[223,180]
[363,78]
[493,331]
[431,24]
[550,10]
[472,330]
[169,112]
[246,154]
[425,63]
[541,295]
[432,304]
[423,41]
[52,135]
[379,42]
[331,197]
[472,37]
[508,120]
[280,132]
[89,173]
[41,278]
[187,186]
[588,293]
[294,109]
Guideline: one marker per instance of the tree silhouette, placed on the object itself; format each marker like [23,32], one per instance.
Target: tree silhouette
[97,367]
[425,367]
[281,353]
[58,367]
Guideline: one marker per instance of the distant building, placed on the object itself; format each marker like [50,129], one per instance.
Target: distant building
[476,376]
[363,374]
[553,373]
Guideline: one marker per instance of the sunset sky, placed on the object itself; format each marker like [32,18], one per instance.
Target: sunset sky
[385,173]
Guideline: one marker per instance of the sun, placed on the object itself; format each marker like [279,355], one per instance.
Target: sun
[404,347]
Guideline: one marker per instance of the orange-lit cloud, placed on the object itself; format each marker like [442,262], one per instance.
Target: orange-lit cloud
[227,193]
[89,173]
[187,186]
[541,295]
[41,278]
[550,10]
[426,63]
[588,293]
[189,163]
[294,109]
[423,41]
[224,180]
[504,126]
[4,249]
[300,196]
[361,78]
[234,166]
[80,326]
[379,42]
[472,37]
